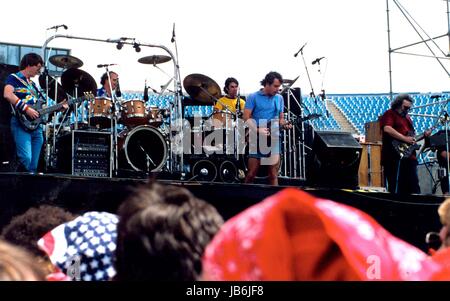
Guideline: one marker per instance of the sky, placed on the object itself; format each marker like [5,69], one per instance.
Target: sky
[247,39]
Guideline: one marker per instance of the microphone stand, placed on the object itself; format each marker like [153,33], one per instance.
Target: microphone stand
[149,160]
[113,157]
[447,150]
[312,94]
[178,110]
[322,90]
[237,126]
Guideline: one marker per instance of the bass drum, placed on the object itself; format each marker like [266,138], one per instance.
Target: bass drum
[143,148]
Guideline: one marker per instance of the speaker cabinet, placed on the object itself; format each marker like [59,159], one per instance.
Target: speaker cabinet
[335,160]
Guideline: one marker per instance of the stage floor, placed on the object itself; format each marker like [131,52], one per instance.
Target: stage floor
[408,217]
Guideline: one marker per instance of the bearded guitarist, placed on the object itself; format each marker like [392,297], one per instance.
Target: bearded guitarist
[396,125]
[22,93]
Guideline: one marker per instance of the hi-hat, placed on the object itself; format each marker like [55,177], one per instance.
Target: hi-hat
[154,59]
[65,61]
[74,78]
[53,92]
[202,88]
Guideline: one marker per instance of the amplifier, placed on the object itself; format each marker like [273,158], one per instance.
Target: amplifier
[89,151]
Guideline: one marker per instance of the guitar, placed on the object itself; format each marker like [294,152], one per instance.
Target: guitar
[405,150]
[32,124]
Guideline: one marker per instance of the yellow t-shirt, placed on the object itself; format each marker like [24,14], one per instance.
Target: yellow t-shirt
[230,103]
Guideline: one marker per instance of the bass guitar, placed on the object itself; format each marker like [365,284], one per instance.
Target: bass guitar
[32,124]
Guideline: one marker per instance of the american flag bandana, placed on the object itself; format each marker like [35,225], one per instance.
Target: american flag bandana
[84,248]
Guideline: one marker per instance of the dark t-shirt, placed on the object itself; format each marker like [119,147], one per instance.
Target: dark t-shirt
[401,124]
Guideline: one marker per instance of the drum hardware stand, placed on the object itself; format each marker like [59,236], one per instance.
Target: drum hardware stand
[296,153]
[288,135]
[113,155]
[237,127]
[149,160]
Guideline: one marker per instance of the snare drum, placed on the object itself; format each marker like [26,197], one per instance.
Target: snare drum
[100,112]
[133,113]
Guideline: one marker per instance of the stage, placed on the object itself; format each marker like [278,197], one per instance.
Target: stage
[407,217]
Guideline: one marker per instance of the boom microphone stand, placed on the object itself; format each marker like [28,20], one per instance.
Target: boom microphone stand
[113,156]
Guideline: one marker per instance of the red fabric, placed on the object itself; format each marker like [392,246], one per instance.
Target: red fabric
[295,236]
[442,257]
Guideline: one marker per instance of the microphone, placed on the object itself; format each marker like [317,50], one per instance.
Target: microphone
[146,91]
[295,55]
[118,92]
[238,101]
[58,26]
[318,60]
[105,65]
[435,96]
[173,34]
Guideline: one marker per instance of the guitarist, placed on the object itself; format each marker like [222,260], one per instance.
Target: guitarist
[395,124]
[261,109]
[22,93]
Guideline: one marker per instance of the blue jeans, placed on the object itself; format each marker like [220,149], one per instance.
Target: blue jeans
[28,145]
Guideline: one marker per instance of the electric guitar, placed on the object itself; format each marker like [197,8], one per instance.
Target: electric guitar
[405,150]
[32,124]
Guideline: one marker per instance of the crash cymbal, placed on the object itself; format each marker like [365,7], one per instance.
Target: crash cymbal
[6,70]
[53,92]
[65,61]
[202,88]
[154,59]
[76,78]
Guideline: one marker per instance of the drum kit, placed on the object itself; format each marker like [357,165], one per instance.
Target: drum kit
[141,142]
[218,141]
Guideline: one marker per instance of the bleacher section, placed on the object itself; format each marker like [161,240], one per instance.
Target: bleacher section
[358,109]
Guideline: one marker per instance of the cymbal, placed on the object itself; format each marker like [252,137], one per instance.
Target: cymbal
[154,59]
[290,81]
[202,88]
[65,61]
[6,70]
[76,78]
[52,92]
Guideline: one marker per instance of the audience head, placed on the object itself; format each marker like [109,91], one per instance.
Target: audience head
[162,234]
[16,264]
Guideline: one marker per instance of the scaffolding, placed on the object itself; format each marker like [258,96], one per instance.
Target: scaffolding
[425,38]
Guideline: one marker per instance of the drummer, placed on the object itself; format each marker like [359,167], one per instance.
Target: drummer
[105,90]
[229,101]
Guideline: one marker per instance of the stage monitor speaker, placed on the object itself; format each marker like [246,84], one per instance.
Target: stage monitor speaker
[335,160]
